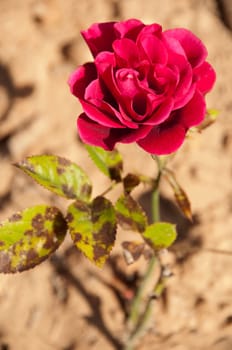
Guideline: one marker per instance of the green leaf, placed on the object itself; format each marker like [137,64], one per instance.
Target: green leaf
[29,237]
[109,162]
[129,214]
[160,235]
[58,175]
[93,228]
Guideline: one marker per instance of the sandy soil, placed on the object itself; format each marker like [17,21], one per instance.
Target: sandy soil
[66,303]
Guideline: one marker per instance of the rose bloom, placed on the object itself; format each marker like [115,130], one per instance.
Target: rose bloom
[145,85]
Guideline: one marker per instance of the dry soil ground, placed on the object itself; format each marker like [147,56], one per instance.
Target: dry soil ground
[66,303]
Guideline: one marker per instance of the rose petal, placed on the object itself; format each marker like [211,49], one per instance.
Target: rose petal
[107,75]
[137,100]
[137,108]
[153,49]
[192,45]
[163,139]
[127,82]
[99,110]
[154,29]
[129,29]
[163,80]
[126,53]
[182,70]
[128,136]
[194,112]
[141,105]
[100,36]
[206,76]
[93,91]
[185,88]
[102,136]
[99,116]
[105,63]
[93,133]
[81,78]
[173,46]
[161,114]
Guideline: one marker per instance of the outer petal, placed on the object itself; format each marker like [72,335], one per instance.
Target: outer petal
[152,29]
[93,133]
[129,29]
[81,78]
[93,91]
[164,139]
[100,36]
[128,135]
[173,46]
[205,76]
[194,112]
[102,136]
[192,45]
[95,114]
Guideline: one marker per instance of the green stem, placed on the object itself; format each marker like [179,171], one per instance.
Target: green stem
[110,188]
[155,201]
[137,301]
[137,320]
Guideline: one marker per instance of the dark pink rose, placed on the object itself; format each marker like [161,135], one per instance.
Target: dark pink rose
[145,85]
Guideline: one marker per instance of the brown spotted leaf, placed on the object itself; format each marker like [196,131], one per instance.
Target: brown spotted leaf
[58,175]
[180,195]
[130,181]
[109,162]
[29,237]
[132,251]
[130,215]
[93,228]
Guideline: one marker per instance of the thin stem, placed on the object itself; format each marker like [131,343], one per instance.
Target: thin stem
[110,188]
[141,327]
[137,301]
[136,319]
[155,201]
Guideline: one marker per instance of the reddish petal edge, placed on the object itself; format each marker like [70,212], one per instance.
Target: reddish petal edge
[194,48]
[99,37]
[100,117]
[163,140]
[80,79]
[93,133]
[128,136]
[129,28]
[194,112]
[206,76]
